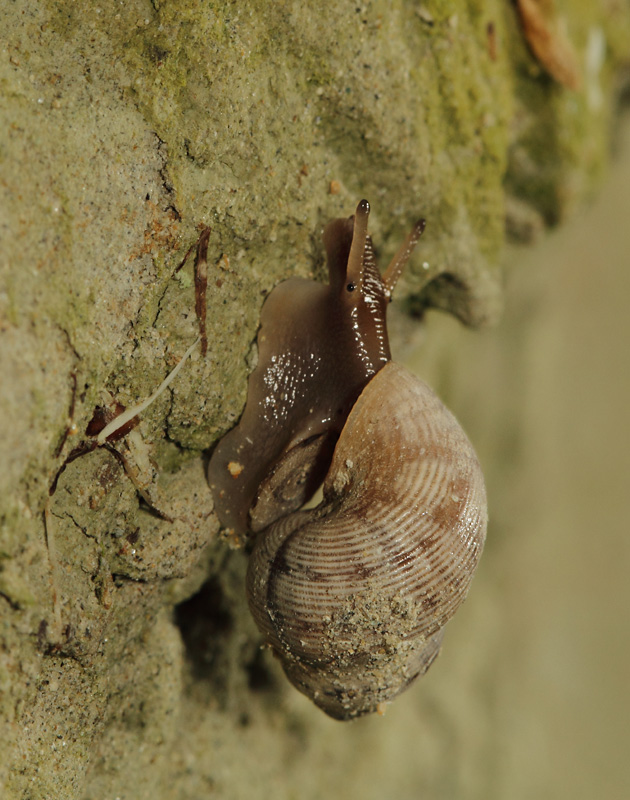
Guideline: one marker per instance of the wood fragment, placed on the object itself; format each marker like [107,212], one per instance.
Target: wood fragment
[548,41]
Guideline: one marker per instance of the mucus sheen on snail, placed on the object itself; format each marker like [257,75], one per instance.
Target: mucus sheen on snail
[352,595]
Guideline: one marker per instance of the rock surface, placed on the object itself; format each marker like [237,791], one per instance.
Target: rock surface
[129,666]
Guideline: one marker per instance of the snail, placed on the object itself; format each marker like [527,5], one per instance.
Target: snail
[352,595]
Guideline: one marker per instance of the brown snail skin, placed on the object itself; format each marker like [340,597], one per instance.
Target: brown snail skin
[352,595]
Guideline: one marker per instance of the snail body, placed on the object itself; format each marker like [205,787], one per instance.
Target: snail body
[352,595]
[318,346]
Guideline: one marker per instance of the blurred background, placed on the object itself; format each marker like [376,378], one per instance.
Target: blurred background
[545,397]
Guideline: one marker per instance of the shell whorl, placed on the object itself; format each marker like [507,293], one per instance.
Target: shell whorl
[353,595]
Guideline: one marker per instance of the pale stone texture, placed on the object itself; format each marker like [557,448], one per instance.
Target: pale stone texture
[125,126]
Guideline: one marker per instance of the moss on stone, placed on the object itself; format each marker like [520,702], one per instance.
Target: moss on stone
[127,127]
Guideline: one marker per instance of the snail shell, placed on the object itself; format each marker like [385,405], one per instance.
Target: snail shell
[353,595]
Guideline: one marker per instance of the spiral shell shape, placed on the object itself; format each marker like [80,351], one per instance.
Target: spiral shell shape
[354,594]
